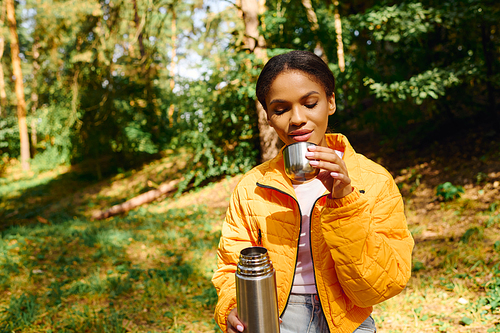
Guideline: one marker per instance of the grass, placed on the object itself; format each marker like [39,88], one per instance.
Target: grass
[147,271]
[150,270]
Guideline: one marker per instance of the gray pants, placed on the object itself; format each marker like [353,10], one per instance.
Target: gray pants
[303,315]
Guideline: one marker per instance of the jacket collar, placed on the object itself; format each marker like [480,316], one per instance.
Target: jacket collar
[275,177]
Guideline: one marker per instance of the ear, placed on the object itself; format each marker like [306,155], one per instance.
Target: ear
[332,107]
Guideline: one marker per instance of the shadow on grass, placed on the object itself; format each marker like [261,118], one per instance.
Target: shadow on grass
[25,200]
[59,195]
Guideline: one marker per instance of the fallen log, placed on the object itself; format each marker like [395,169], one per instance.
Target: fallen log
[138,200]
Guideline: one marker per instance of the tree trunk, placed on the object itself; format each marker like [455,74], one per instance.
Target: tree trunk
[34,97]
[21,103]
[140,37]
[3,95]
[141,199]
[338,32]
[313,20]
[172,65]
[269,141]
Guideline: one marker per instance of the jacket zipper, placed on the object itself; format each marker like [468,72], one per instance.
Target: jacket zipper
[312,259]
[298,241]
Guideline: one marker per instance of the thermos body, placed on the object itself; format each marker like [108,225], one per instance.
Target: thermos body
[256,295]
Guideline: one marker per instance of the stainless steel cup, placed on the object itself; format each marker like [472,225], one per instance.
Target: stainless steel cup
[256,294]
[297,166]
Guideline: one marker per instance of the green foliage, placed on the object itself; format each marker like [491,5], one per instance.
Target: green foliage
[493,293]
[466,321]
[102,78]
[447,191]
[492,288]
[102,72]
[421,62]
[417,266]
[399,22]
[473,233]
[9,137]
[493,218]
[494,329]
[20,313]
[431,83]
[219,130]
[481,177]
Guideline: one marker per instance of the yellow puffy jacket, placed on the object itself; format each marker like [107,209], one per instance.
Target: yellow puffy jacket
[360,244]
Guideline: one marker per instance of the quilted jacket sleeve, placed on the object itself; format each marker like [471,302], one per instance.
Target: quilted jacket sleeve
[235,237]
[370,243]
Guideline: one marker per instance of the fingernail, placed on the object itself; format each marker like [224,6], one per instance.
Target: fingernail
[314,163]
[239,328]
[311,148]
[309,154]
[334,174]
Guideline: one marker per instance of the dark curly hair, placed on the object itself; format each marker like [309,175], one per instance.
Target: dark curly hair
[303,61]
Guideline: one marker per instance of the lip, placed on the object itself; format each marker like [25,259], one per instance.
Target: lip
[300,135]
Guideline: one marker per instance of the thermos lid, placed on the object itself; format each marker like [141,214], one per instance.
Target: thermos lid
[254,261]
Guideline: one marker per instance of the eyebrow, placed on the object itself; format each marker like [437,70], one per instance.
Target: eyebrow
[284,101]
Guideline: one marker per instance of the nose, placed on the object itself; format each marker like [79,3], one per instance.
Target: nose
[298,116]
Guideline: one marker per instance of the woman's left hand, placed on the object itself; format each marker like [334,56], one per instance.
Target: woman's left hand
[333,172]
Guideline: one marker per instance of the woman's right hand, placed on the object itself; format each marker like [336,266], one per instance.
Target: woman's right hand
[234,325]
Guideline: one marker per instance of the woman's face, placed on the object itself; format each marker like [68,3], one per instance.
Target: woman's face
[298,108]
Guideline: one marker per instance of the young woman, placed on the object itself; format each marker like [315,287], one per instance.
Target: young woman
[339,243]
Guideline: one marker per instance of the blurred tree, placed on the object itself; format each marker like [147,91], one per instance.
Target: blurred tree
[338,32]
[172,61]
[255,43]
[18,74]
[3,94]
[100,79]
[313,21]
[34,96]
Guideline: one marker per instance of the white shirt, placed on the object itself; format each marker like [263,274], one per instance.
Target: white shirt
[307,194]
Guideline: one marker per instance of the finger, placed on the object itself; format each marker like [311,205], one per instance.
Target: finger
[326,179]
[318,148]
[337,170]
[327,156]
[234,322]
[338,187]
[341,177]
[232,329]
[327,160]
[321,149]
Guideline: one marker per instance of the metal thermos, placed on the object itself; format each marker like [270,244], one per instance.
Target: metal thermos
[256,294]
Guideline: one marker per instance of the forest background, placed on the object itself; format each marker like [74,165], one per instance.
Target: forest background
[102,101]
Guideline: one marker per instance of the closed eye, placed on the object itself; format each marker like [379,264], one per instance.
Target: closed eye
[280,112]
[310,106]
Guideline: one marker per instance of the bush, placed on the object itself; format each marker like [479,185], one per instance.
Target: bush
[448,191]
